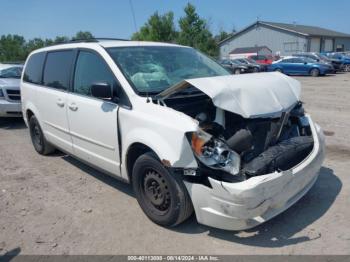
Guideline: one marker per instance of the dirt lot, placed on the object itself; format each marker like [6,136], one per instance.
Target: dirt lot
[56,205]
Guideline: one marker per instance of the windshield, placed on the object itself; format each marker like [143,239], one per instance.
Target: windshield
[309,60]
[251,60]
[11,72]
[323,57]
[152,69]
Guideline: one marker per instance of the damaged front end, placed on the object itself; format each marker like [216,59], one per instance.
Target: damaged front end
[257,151]
[246,148]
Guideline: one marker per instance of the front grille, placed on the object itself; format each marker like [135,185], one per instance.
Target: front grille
[13,94]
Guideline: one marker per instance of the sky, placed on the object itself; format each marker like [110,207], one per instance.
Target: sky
[113,18]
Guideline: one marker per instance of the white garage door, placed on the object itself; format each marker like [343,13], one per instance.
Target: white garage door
[315,45]
[328,45]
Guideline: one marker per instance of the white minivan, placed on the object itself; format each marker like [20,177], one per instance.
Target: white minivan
[236,149]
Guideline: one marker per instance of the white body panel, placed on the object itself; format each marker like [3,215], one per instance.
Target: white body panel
[93,128]
[52,105]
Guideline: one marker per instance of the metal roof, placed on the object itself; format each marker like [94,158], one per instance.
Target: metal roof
[306,29]
[303,30]
[244,50]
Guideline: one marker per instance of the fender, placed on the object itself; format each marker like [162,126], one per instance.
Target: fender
[163,130]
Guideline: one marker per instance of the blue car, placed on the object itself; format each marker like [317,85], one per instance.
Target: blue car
[344,59]
[300,66]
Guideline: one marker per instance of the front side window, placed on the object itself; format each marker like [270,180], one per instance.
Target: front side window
[152,69]
[90,68]
[34,68]
[288,60]
[57,69]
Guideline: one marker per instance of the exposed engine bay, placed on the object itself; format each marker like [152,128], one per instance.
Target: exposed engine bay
[233,148]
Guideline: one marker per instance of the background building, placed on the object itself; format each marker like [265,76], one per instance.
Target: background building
[286,39]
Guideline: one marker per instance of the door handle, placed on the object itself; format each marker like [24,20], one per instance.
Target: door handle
[60,102]
[73,107]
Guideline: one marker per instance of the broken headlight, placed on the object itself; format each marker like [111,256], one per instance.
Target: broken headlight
[215,153]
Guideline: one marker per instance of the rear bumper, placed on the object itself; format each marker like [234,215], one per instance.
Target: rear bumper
[10,109]
[243,205]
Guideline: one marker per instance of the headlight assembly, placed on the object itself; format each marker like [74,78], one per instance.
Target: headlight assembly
[215,153]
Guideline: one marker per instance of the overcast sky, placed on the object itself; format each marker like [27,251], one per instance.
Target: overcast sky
[108,18]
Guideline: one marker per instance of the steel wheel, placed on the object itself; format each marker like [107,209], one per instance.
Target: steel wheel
[161,194]
[156,192]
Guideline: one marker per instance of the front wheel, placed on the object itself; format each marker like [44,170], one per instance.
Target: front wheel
[162,196]
[315,72]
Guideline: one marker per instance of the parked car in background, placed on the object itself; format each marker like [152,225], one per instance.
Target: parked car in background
[233,67]
[300,66]
[252,68]
[345,60]
[336,63]
[10,95]
[253,64]
[262,59]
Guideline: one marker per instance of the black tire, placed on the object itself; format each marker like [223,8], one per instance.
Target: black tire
[279,70]
[237,71]
[314,72]
[255,70]
[39,142]
[162,196]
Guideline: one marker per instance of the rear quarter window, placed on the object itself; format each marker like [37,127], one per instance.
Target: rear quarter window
[34,68]
[58,69]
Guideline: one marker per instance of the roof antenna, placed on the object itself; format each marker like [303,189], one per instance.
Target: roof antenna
[133,14]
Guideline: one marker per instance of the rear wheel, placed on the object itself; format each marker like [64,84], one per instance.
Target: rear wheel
[39,142]
[255,69]
[315,72]
[278,70]
[162,196]
[237,71]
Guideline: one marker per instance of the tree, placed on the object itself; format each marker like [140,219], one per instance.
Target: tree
[34,44]
[82,35]
[159,28]
[12,48]
[222,36]
[195,32]
[61,39]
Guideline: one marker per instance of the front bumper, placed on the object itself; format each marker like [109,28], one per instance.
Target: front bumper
[243,205]
[10,109]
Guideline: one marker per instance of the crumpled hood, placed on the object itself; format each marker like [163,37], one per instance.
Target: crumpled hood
[249,95]
[10,82]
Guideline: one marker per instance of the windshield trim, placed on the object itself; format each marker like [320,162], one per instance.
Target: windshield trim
[152,94]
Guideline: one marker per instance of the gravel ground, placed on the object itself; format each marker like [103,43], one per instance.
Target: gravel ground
[57,205]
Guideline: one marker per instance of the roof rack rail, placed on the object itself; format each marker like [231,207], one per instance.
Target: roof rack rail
[89,40]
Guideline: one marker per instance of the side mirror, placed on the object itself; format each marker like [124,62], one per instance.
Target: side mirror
[318,60]
[101,90]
